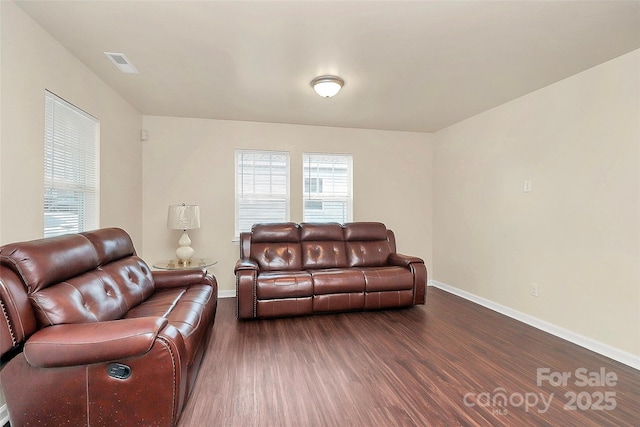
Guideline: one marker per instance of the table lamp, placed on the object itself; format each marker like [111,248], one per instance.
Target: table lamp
[184,217]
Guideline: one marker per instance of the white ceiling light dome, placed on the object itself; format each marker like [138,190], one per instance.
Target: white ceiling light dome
[327,86]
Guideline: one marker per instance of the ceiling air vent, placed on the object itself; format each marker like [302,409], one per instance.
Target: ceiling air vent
[122,62]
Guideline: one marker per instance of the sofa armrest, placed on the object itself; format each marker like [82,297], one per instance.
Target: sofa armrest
[85,343]
[179,278]
[404,260]
[245,264]
[419,271]
[246,271]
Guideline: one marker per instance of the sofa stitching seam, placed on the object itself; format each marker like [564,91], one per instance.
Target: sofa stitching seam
[163,342]
[9,323]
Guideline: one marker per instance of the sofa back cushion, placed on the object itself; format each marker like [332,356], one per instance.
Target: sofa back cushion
[366,244]
[106,293]
[41,263]
[276,246]
[322,246]
[80,278]
[110,244]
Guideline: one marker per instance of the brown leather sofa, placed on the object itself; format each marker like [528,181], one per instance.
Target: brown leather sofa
[91,336]
[290,269]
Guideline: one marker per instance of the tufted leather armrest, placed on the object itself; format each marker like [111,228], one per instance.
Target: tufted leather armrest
[83,343]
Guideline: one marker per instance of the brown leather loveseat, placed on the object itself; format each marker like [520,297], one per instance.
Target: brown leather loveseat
[90,336]
[290,269]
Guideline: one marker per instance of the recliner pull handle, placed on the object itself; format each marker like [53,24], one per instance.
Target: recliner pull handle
[119,371]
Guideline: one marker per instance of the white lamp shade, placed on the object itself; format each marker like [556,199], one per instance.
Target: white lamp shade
[183,217]
[327,86]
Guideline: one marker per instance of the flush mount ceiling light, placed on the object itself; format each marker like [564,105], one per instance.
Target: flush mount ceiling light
[327,86]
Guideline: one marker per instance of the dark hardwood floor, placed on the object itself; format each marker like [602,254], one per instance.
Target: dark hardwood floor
[448,363]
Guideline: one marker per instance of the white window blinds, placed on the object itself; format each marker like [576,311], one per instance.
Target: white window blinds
[262,188]
[328,188]
[70,168]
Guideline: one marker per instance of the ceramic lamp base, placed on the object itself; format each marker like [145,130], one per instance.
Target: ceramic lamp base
[185,251]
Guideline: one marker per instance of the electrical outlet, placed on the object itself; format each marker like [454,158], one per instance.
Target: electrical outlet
[527,186]
[534,290]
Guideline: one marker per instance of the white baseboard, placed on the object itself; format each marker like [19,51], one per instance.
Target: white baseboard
[226,293]
[4,415]
[614,353]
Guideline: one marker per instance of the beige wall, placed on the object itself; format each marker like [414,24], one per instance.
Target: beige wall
[33,61]
[192,161]
[577,234]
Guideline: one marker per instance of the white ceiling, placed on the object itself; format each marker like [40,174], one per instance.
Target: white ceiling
[411,66]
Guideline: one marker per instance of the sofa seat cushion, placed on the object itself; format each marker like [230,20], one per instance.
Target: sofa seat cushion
[283,284]
[337,280]
[379,279]
[184,308]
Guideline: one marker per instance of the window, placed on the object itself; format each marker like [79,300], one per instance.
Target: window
[327,188]
[313,185]
[70,168]
[262,188]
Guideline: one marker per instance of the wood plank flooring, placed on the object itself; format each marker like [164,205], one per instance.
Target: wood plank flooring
[451,362]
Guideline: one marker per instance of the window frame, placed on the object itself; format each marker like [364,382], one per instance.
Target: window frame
[71,168]
[323,183]
[259,196]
